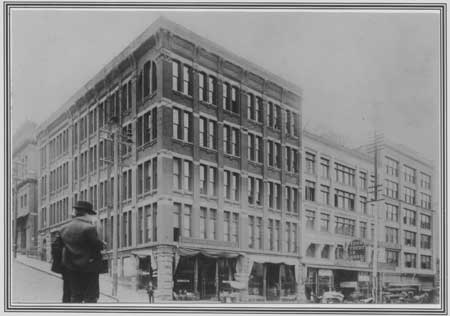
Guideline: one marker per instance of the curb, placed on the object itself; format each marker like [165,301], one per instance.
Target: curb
[56,275]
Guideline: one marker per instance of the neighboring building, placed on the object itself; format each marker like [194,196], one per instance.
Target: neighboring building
[338,224]
[24,173]
[210,190]
[408,233]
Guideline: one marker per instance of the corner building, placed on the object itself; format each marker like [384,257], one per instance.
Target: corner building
[209,190]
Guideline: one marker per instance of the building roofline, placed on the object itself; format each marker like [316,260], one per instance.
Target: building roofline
[329,142]
[164,23]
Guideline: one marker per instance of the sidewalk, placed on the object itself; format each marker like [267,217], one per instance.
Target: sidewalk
[124,294]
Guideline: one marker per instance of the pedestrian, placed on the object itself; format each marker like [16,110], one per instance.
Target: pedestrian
[149,289]
[81,255]
[57,266]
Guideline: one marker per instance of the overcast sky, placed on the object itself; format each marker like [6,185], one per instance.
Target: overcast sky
[354,68]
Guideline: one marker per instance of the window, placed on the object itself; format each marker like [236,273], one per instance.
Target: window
[251,114]
[149,224]
[274,152]
[231,185]
[391,235]
[255,148]
[324,194]
[182,125]
[425,181]
[226,227]
[425,221]
[409,195]
[147,126]
[409,217]
[177,173]
[293,238]
[202,86]
[251,232]
[391,189]
[212,90]
[231,140]
[310,190]
[425,262]
[126,185]
[425,200]
[344,200]
[363,230]
[363,204]
[212,224]
[425,241]
[258,231]
[363,180]
[234,99]
[187,80]
[345,175]
[274,116]
[255,190]
[310,161]
[345,226]
[410,260]
[391,167]
[226,97]
[324,222]
[274,191]
[392,257]
[147,176]
[310,219]
[324,168]
[410,238]
[391,213]
[291,159]
[203,130]
[203,230]
[187,211]
[188,177]
[291,199]
[203,179]
[212,175]
[410,175]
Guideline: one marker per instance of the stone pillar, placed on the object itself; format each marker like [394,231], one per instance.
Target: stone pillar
[164,260]
[301,281]
[242,276]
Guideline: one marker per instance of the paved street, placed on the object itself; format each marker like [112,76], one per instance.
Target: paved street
[33,286]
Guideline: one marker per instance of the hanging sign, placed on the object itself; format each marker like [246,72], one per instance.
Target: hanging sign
[356,249]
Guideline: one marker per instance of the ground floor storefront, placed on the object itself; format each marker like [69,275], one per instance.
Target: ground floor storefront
[347,282]
[182,273]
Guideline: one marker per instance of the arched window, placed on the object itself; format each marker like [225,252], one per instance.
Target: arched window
[325,254]
[154,77]
[311,251]
[147,78]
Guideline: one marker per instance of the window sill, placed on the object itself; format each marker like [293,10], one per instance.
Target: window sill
[207,149]
[208,197]
[145,145]
[255,206]
[232,201]
[231,156]
[183,192]
[274,169]
[226,111]
[182,142]
[274,129]
[255,163]
[208,104]
[182,94]
[255,122]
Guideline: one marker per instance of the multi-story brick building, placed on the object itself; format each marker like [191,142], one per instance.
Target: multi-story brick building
[337,217]
[209,190]
[340,223]
[24,173]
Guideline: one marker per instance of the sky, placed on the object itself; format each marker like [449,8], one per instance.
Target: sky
[357,69]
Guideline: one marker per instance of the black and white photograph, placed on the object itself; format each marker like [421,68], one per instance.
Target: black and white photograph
[236,158]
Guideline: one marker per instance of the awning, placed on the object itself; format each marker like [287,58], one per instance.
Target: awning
[275,260]
[212,253]
[142,253]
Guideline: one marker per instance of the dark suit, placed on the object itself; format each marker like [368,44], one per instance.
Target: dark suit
[81,256]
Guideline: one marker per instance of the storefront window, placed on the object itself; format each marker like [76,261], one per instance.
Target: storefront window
[255,282]
[288,286]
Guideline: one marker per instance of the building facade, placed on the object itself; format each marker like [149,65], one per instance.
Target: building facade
[338,225]
[209,181]
[343,219]
[24,177]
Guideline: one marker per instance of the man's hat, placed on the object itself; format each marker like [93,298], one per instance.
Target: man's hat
[84,205]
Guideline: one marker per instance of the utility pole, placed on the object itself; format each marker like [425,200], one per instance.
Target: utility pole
[116,210]
[376,202]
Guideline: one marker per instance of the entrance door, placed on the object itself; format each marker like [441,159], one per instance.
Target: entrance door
[207,278]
